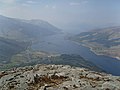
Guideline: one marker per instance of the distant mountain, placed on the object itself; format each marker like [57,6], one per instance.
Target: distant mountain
[43,24]
[25,29]
[105,41]
[8,48]
[16,35]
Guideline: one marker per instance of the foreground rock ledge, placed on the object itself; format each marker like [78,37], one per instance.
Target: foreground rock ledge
[56,77]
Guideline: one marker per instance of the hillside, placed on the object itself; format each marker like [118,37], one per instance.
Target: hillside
[24,30]
[105,41]
[56,77]
[28,57]
[17,35]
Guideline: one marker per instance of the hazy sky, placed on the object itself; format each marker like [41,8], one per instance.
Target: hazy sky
[66,14]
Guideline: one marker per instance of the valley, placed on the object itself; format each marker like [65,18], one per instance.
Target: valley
[17,38]
[24,45]
[59,44]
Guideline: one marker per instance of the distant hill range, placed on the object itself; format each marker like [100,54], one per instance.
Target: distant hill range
[104,41]
[19,29]
[16,35]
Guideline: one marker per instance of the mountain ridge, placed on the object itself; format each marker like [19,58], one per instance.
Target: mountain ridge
[19,29]
[17,36]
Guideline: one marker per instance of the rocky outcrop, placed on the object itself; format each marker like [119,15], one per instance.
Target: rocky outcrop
[57,77]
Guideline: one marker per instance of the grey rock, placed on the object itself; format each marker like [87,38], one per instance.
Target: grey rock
[111,86]
[57,77]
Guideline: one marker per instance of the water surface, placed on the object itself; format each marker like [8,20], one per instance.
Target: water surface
[59,44]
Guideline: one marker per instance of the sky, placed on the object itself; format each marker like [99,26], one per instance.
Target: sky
[65,14]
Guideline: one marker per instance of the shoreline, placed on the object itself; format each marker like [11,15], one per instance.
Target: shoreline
[90,48]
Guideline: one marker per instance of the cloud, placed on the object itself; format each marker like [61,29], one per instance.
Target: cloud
[25,4]
[77,3]
[8,1]
[30,2]
[46,6]
[84,2]
[51,7]
[54,7]
[74,3]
